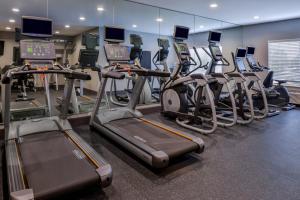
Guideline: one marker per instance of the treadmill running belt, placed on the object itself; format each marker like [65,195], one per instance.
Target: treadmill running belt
[173,145]
[54,166]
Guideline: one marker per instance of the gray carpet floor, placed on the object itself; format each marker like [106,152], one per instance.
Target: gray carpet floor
[260,161]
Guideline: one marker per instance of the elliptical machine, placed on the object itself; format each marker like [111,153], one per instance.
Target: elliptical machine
[260,112]
[278,95]
[197,113]
[236,105]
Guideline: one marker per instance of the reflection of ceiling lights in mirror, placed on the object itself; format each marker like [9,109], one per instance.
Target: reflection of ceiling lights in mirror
[67,26]
[213,5]
[57,32]
[100,9]
[82,18]
[201,26]
[159,19]
[7,28]
[134,25]
[12,21]
[15,9]
[256,17]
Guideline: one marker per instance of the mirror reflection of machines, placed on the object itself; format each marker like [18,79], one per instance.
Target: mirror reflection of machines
[154,143]
[277,95]
[159,60]
[23,107]
[136,55]
[88,58]
[45,158]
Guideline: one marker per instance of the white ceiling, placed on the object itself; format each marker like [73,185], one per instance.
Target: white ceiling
[125,14]
[235,11]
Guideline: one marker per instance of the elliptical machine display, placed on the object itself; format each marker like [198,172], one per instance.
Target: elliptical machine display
[197,112]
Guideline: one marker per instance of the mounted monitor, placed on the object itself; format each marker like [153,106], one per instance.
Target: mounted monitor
[1,48]
[214,36]
[250,50]
[241,53]
[36,27]
[115,35]
[181,32]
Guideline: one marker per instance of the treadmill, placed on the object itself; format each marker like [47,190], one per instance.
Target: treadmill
[45,158]
[154,143]
[87,61]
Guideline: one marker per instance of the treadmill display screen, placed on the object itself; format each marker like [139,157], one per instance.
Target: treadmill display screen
[37,50]
[250,50]
[181,32]
[114,34]
[214,37]
[36,27]
[241,53]
[116,52]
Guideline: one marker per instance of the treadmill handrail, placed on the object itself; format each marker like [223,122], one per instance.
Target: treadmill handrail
[13,73]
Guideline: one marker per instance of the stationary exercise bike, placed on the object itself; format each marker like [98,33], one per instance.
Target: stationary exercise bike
[278,95]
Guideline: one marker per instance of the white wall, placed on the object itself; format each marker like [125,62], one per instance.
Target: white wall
[259,35]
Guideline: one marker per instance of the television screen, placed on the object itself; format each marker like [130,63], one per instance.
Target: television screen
[114,34]
[181,32]
[250,50]
[36,27]
[1,48]
[241,53]
[214,36]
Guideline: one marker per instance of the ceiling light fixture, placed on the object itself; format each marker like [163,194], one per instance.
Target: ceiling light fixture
[57,32]
[213,5]
[7,28]
[15,9]
[159,19]
[82,18]
[12,21]
[100,9]
[67,26]
[201,26]
[256,17]
[134,25]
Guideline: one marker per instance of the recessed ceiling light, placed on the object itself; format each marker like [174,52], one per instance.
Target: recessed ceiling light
[82,18]
[67,26]
[15,9]
[213,5]
[12,21]
[100,9]
[7,28]
[57,32]
[201,26]
[159,19]
[256,17]
[134,25]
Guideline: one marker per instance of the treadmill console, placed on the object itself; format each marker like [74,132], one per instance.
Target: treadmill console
[116,52]
[37,50]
